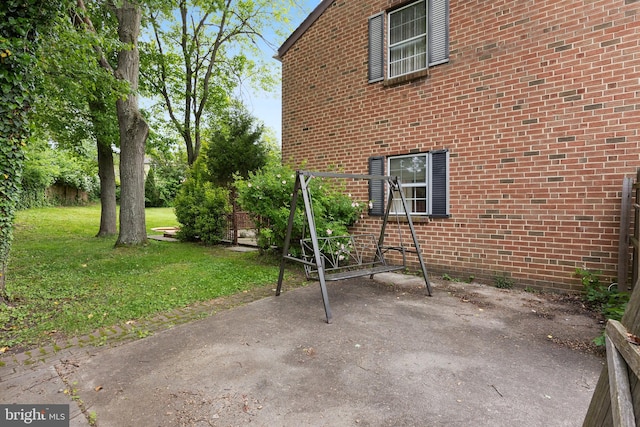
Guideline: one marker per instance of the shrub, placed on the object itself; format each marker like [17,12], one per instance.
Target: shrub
[169,170]
[607,300]
[201,208]
[45,166]
[503,282]
[266,194]
[168,182]
[151,192]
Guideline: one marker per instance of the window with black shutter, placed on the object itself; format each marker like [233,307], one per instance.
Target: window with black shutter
[425,182]
[417,38]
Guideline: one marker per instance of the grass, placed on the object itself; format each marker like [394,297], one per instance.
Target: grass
[64,281]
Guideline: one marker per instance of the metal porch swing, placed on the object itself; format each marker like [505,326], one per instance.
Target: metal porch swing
[343,257]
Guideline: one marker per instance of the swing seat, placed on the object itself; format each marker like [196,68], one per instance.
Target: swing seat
[346,257]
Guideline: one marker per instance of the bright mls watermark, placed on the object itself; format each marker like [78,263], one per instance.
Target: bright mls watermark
[34,415]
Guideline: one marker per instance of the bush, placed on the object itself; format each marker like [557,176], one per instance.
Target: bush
[151,193]
[607,300]
[266,194]
[201,208]
[503,282]
[169,173]
[168,182]
[45,166]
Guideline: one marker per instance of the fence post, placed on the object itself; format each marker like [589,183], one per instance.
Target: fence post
[625,223]
[636,230]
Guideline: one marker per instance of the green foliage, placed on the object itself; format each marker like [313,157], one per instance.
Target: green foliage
[151,192]
[169,166]
[203,201]
[163,184]
[76,100]
[449,278]
[21,22]
[607,300]
[45,166]
[266,194]
[65,280]
[202,208]
[503,282]
[235,147]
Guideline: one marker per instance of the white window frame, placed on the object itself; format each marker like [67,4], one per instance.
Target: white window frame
[431,191]
[410,188]
[421,39]
[435,36]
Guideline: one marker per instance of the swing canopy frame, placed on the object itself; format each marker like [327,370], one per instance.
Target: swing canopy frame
[333,258]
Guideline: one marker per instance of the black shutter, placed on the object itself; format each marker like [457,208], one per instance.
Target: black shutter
[376,186]
[439,183]
[438,31]
[376,48]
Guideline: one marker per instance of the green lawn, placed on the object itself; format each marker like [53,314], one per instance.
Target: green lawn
[64,281]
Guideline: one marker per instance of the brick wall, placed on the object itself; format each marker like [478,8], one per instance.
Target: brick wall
[539,106]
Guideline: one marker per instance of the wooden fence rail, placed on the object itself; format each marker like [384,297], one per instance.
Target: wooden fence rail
[616,399]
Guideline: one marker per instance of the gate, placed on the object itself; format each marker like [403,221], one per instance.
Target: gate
[235,223]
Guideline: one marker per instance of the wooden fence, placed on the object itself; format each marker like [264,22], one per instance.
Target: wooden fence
[616,399]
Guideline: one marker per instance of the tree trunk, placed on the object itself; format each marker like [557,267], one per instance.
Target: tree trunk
[107,191]
[234,215]
[191,155]
[133,131]
[106,173]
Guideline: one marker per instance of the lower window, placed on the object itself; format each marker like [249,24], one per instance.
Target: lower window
[425,183]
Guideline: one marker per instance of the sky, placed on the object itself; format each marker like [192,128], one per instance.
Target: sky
[267,107]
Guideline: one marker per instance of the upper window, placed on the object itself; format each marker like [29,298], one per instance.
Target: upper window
[425,183]
[408,39]
[418,37]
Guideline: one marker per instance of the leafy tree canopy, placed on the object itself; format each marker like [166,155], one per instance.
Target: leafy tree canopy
[196,53]
[235,147]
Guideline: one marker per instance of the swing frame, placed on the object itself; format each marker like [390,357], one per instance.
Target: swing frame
[325,267]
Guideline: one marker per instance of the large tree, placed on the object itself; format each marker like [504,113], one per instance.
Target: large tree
[78,99]
[235,147]
[22,24]
[199,52]
[132,126]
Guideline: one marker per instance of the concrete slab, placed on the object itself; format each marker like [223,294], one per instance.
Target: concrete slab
[392,356]
[42,385]
[162,238]
[243,248]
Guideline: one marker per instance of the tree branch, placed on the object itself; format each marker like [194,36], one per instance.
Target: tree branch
[162,87]
[78,21]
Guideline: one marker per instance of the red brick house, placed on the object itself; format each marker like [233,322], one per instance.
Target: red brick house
[511,123]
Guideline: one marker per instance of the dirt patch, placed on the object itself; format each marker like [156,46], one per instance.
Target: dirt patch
[560,318]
